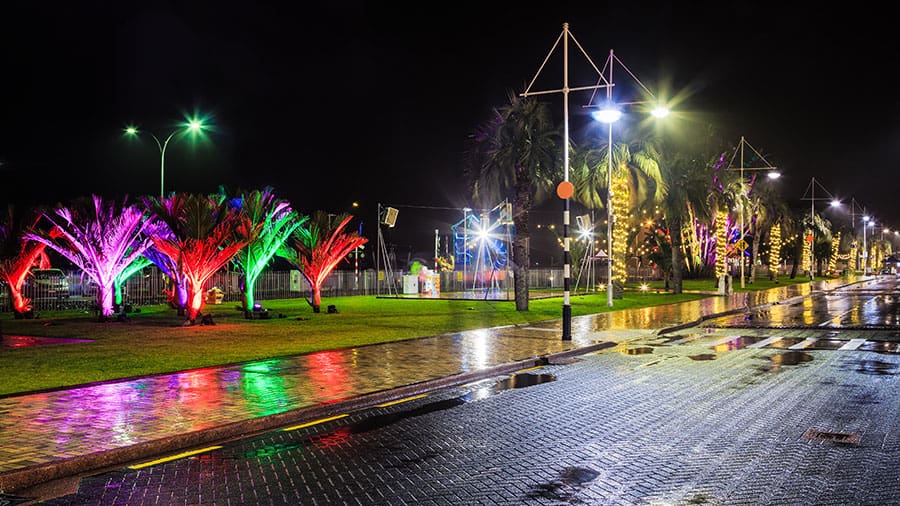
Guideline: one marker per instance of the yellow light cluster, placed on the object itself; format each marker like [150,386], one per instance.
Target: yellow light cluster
[720,243]
[620,228]
[835,243]
[775,249]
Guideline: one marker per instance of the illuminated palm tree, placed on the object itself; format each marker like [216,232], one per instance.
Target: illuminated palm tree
[637,182]
[687,170]
[101,237]
[18,255]
[316,249]
[516,152]
[203,234]
[276,222]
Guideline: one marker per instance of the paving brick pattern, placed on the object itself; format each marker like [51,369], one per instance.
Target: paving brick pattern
[680,424]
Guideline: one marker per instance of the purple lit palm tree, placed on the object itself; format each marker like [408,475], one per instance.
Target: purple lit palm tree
[101,238]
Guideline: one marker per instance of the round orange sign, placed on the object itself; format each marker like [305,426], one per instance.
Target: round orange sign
[565,190]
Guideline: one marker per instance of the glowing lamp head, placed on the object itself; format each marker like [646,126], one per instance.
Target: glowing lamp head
[607,115]
[195,125]
[660,111]
[131,130]
[835,203]
[774,174]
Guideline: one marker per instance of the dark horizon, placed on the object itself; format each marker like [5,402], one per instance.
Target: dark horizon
[374,104]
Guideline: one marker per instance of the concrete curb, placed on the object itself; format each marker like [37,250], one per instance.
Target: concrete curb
[21,481]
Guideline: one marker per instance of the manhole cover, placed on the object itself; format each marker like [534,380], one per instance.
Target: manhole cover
[832,437]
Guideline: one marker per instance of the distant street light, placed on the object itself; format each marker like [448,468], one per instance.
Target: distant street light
[191,126]
[609,114]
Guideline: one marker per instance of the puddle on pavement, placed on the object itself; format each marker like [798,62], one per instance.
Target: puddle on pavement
[738,343]
[643,350]
[828,344]
[876,367]
[522,380]
[703,356]
[28,341]
[565,488]
[880,347]
[785,342]
[779,360]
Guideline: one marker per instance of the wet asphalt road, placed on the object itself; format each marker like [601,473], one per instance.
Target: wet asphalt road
[794,404]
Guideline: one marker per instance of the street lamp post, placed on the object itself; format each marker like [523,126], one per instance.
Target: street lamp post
[193,125]
[564,190]
[773,174]
[811,190]
[609,114]
[865,252]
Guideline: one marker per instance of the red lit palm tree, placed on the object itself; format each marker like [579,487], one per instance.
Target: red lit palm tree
[18,255]
[276,222]
[317,249]
[203,234]
[101,237]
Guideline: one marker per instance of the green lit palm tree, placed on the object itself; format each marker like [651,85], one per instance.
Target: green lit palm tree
[516,152]
[276,222]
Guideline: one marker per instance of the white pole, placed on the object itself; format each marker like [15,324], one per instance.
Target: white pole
[741,202]
[567,308]
[609,195]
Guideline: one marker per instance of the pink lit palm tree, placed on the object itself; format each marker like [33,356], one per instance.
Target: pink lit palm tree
[203,234]
[18,255]
[101,237]
[317,249]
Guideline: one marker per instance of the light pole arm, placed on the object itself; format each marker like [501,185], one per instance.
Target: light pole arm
[162,162]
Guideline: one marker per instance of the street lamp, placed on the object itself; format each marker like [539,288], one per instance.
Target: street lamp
[609,114]
[191,126]
[773,174]
[564,190]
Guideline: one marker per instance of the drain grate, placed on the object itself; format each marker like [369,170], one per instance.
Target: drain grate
[832,437]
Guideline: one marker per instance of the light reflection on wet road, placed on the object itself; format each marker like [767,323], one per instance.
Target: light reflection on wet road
[873,304]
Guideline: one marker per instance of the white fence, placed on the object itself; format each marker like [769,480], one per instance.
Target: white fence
[147,287]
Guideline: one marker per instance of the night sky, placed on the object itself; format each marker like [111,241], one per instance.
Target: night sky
[354,101]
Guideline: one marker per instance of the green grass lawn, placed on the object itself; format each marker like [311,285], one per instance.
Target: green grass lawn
[154,340]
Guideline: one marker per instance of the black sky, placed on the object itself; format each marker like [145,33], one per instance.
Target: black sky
[373,102]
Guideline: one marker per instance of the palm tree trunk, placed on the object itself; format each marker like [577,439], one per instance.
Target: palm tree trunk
[754,251]
[521,258]
[247,286]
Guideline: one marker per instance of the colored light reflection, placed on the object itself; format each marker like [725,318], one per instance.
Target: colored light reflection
[264,393]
